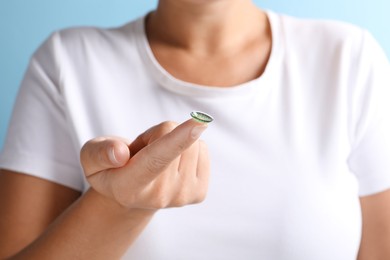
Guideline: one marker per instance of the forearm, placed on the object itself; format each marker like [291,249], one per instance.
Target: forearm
[94,227]
[375,243]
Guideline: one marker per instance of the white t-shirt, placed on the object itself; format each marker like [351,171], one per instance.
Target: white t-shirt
[291,151]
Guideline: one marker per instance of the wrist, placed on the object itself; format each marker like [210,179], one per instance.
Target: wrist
[107,204]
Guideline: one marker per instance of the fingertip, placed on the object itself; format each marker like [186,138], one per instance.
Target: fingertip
[195,128]
[198,130]
[118,154]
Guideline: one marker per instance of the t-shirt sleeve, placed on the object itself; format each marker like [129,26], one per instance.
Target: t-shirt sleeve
[39,139]
[370,119]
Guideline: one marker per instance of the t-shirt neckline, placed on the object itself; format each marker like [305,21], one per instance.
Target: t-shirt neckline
[171,83]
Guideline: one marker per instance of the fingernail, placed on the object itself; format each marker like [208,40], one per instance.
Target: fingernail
[198,130]
[111,155]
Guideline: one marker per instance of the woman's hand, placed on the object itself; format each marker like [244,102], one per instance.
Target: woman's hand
[166,166]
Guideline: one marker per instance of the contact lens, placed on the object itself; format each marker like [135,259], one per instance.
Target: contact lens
[201,117]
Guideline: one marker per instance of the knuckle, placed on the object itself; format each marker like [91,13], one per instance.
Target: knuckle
[160,202]
[201,195]
[167,126]
[184,197]
[159,198]
[180,146]
[89,148]
[155,164]
[200,198]
[181,201]
[85,151]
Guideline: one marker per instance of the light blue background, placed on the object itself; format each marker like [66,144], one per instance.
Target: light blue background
[24,24]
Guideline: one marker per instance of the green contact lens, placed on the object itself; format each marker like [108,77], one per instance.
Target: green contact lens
[201,117]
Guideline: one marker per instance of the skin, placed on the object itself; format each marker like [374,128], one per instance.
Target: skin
[103,222]
[193,40]
[40,219]
[376,227]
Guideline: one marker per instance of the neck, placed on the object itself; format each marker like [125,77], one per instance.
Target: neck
[205,26]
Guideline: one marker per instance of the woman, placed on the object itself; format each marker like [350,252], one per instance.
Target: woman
[299,148]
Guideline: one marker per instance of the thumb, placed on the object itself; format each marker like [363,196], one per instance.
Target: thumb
[155,157]
[103,153]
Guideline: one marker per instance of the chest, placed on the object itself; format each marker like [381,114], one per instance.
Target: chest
[279,183]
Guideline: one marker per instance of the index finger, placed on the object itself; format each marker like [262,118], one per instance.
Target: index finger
[155,157]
